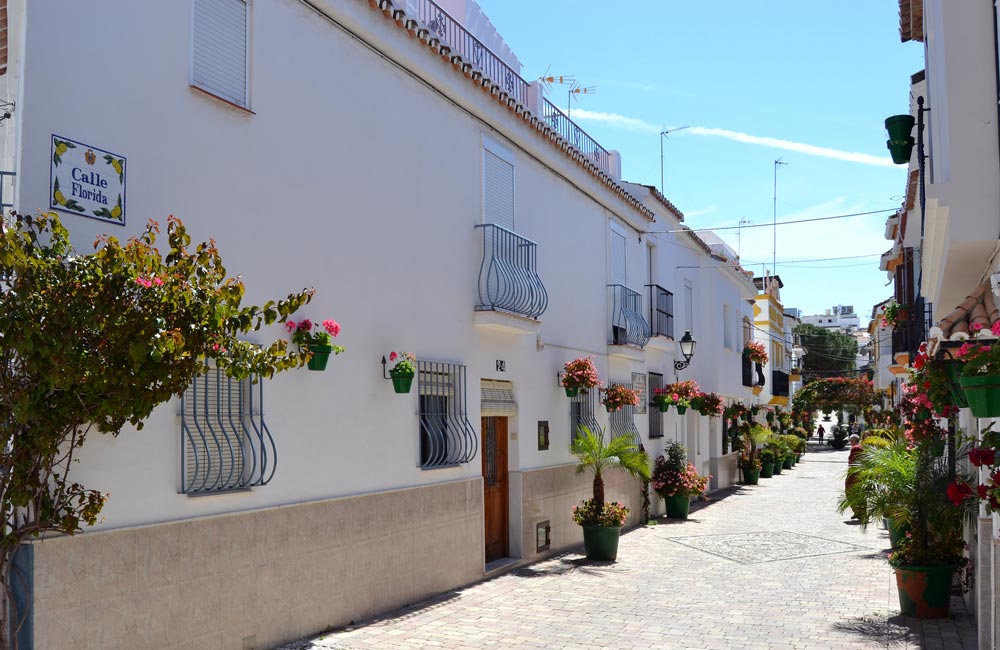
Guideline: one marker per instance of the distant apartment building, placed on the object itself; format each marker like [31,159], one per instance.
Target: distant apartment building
[839,317]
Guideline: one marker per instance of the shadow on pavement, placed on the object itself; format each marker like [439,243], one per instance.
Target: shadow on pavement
[888,632]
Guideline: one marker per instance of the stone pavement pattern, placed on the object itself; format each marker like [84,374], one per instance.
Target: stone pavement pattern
[761,567]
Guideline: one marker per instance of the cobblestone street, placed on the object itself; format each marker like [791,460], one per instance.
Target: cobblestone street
[771,566]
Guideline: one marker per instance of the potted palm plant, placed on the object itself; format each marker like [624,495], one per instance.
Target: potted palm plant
[766,463]
[602,522]
[676,481]
[880,485]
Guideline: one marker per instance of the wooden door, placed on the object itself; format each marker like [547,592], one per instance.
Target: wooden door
[494,448]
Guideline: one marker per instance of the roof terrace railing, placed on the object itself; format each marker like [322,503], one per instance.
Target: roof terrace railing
[576,136]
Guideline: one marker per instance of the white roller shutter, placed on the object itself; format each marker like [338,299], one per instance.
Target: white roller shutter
[498,190]
[219,52]
[617,258]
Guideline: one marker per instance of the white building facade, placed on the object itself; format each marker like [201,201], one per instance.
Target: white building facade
[440,205]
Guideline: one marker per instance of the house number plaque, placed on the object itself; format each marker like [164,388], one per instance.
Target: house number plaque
[501,365]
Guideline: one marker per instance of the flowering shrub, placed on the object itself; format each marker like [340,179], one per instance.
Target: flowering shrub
[756,351]
[617,396]
[984,454]
[749,462]
[980,359]
[303,334]
[673,475]
[580,373]
[590,514]
[403,364]
[710,404]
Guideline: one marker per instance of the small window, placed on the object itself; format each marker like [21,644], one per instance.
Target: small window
[498,190]
[220,49]
[225,443]
[3,37]
[446,437]
[727,327]
[618,265]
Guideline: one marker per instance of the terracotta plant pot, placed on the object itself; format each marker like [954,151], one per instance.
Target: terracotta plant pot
[924,592]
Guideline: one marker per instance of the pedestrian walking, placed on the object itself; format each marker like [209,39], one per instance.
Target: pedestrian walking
[819,432]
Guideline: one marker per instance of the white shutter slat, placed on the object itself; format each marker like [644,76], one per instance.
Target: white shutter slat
[220,48]
[498,189]
[617,258]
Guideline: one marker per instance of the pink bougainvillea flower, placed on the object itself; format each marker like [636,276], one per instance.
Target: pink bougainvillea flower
[995,328]
[143,282]
[158,282]
[332,326]
[305,325]
[290,326]
[976,327]
[393,356]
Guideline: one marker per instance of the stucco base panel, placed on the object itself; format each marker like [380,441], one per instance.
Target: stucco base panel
[724,471]
[985,584]
[277,574]
[549,495]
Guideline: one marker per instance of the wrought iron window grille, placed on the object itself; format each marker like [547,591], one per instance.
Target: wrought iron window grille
[225,443]
[508,275]
[446,436]
[622,421]
[655,417]
[661,311]
[581,412]
[628,326]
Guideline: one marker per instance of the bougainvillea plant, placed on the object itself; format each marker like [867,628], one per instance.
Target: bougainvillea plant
[95,341]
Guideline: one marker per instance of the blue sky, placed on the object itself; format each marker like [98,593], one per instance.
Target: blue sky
[817,78]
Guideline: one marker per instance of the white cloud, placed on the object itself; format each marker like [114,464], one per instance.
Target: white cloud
[799,147]
[616,120]
[700,212]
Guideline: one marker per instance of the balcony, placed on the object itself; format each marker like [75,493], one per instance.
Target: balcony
[747,371]
[779,383]
[628,327]
[908,337]
[661,311]
[576,136]
[509,287]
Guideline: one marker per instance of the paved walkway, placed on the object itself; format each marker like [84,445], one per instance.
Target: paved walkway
[771,566]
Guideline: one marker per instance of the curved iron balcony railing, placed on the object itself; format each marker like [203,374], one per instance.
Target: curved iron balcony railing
[508,276]
[628,327]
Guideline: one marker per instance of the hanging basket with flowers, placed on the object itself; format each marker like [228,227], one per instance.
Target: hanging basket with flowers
[315,340]
[895,315]
[402,371]
[680,394]
[616,396]
[580,375]
[756,352]
[980,378]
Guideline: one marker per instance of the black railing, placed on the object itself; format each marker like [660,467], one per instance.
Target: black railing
[908,336]
[571,132]
[779,383]
[747,371]
[628,327]
[508,277]
[450,32]
[661,311]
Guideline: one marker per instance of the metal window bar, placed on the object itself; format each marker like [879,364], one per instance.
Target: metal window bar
[225,442]
[572,133]
[450,32]
[622,421]
[581,412]
[508,276]
[446,436]
[655,417]
[661,311]
[628,326]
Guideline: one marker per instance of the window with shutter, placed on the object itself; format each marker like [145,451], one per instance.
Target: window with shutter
[3,37]
[220,49]
[617,258]
[498,190]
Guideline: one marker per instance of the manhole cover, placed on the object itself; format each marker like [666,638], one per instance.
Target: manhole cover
[771,546]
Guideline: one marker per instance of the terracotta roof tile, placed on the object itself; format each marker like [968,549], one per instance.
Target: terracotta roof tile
[972,318]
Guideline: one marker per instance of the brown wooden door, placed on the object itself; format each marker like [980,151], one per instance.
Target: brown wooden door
[494,454]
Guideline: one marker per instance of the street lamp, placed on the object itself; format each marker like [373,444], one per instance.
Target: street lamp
[687,345]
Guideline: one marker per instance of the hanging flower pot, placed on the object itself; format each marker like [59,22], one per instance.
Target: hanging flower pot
[681,409]
[571,392]
[954,369]
[320,356]
[900,151]
[663,406]
[757,390]
[983,393]
[899,126]
[611,409]
[402,383]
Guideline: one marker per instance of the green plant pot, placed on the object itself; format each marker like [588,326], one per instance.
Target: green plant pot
[983,393]
[601,542]
[663,407]
[896,532]
[678,506]
[899,127]
[954,369]
[751,476]
[787,463]
[571,392]
[402,383]
[696,403]
[681,409]
[924,591]
[777,467]
[900,150]
[766,470]
[611,409]
[320,355]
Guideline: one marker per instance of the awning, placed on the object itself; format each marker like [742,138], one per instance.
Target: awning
[497,398]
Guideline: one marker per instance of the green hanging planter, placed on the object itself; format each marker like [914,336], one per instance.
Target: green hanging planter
[983,393]
[663,406]
[681,409]
[402,383]
[900,151]
[320,356]
[954,369]
[571,392]
[899,126]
